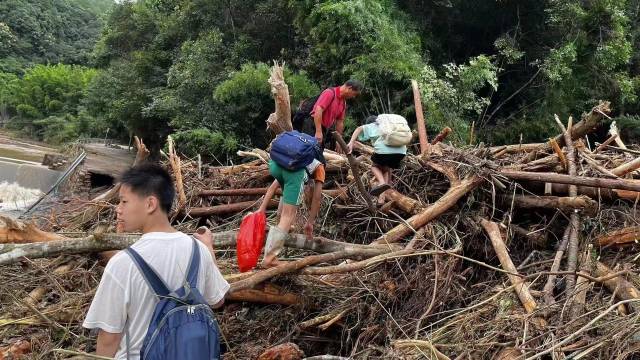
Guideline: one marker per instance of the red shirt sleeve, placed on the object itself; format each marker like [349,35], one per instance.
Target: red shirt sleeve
[324,100]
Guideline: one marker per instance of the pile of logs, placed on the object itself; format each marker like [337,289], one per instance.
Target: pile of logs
[519,251]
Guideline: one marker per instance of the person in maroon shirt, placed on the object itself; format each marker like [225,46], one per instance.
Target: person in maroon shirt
[331,108]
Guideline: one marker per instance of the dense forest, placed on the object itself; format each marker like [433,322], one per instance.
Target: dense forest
[198,68]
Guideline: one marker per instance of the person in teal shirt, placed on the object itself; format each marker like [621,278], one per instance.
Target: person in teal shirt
[385,157]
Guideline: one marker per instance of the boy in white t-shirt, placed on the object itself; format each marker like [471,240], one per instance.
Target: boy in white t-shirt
[124,303]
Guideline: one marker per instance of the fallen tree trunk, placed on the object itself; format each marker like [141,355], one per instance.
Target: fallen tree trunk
[572,248]
[622,288]
[620,184]
[552,202]
[226,208]
[265,297]
[458,189]
[405,203]
[624,236]
[294,266]
[15,231]
[520,286]
[588,122]
[626,168]
[10,253]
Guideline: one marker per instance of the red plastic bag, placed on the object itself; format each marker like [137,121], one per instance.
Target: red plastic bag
[250,240]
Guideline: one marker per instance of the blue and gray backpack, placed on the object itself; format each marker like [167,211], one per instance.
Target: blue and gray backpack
[294,150]
[183,325]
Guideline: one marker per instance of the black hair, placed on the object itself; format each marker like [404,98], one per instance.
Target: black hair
[355,85]
[149,179]
[370,119]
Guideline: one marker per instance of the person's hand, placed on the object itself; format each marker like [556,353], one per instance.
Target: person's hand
[204,235]
[349,148]
[319,136]
[308,230]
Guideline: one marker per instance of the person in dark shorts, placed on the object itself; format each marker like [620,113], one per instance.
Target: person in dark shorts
[385,158]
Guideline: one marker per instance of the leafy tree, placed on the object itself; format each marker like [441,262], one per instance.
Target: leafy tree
[48,31]
[247,101]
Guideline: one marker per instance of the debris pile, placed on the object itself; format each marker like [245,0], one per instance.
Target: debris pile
[519,251]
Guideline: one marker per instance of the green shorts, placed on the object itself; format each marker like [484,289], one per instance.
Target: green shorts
[291,182]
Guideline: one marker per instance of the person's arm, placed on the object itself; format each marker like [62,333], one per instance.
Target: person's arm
[107,344]
[316,201]
[204,235]
[340,126]
[317,121]
[269,195]
[354,137]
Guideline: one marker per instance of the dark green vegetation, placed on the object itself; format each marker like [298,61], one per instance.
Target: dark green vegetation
[199,67]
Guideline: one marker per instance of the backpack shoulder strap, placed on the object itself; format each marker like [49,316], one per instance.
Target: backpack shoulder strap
[194,265]
[150,276]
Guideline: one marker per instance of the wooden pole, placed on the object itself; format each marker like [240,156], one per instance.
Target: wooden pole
[353,163]
[627,167]
[422,127]
[620,184]
[520,286]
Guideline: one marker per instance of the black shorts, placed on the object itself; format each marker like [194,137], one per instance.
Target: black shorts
[389,160]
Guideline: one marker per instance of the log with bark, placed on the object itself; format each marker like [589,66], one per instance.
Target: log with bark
[625,236]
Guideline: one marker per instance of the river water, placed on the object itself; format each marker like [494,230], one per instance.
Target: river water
[23,180]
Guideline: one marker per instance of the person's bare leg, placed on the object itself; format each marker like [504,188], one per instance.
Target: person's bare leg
[377,172]
[387,175]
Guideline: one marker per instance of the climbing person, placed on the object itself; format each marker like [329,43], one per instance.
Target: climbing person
[390,135]
[296,160]
[317,115]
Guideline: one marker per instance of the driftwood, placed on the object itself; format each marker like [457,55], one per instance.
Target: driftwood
[441,135]
[176,167]
[621,184]
[14,231]
[297,265]
[625,236]
[269,295]
[551,280]
[280,120]
[572,248]
[456,191]
[521,288]
[353,163]
[10,253]
[552,202]
[627,168]
[605,143]
[287,351]
[622,288]
[422,129]
[589,121]
[227,208]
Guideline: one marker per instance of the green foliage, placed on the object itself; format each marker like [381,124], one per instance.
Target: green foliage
[48,31]
[247,101]
[365,39]
[211,145]
[51,92]
[453,99]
